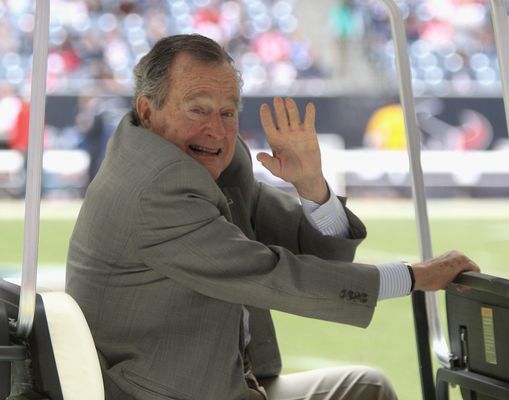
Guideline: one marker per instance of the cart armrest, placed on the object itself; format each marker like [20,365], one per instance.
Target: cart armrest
[484,283]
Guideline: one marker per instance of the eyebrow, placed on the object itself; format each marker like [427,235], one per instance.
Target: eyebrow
[205,94]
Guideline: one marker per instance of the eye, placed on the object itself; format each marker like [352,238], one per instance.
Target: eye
[197,110]
[228,114]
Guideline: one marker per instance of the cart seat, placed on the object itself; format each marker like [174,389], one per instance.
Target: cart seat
[64,360]
[75,355]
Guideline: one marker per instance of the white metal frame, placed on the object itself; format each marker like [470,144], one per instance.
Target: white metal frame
[501,29]
[413,135]
[34,170]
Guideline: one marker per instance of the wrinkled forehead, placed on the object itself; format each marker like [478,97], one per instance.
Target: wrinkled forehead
[190,76]
[225,97]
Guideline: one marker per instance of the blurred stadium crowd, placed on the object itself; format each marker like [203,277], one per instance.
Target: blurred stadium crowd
[452,46]
[323,49]
[95,43]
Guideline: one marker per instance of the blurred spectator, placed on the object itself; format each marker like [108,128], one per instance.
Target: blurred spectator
[10,107]
[19,133]
[96,121]
[345,27]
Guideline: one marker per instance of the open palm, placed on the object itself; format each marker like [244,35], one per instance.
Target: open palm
[295,151]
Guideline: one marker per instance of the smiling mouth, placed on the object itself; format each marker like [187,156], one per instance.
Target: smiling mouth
[204,150]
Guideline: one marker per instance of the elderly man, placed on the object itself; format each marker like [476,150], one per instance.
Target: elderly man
[178,254]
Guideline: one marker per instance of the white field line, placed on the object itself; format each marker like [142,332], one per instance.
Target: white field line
[50,209]
[49,276]
[364,208]
[497,209]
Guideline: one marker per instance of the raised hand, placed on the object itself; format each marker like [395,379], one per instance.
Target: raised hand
[295,152]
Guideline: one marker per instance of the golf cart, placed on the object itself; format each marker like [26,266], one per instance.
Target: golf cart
[47,335]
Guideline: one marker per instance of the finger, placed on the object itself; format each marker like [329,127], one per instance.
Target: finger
[468,265]
[471,266]
[270,163]
[309,118]
[267,122]
[462,288]
[281,115]
[474,267]
[293,113]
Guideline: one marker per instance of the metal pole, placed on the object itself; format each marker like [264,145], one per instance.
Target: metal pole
[501,28]
[423,349]
[424,304]
[34,170]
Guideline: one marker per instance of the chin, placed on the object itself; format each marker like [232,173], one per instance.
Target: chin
[215,169]
[213,172]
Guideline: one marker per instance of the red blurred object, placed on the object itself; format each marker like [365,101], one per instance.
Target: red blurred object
[272,47]
[206,16]
[18,136]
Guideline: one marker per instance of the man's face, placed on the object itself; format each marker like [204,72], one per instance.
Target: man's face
[200,115]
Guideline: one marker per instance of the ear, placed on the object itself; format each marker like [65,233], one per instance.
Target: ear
[144,109]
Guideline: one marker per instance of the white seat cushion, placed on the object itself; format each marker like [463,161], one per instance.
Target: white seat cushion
[73,347]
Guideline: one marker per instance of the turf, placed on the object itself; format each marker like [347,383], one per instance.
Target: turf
[389,342]
[53,239]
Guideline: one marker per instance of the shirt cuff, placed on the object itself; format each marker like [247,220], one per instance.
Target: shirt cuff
[329,218]
[395,280]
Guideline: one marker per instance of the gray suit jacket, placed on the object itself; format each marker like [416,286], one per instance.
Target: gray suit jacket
[162,257]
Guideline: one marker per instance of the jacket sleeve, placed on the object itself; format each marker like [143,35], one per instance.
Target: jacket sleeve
[184,234]
[279,220]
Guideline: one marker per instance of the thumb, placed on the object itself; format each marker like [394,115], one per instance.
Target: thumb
[270,163]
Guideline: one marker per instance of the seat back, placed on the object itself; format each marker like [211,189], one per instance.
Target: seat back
[73,348]
[64,360]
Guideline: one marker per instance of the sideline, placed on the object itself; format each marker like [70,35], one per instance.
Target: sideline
[50,277]
[373,208]
[50,209]
[461,208]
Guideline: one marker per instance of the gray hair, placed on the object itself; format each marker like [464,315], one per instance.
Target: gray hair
[151,74]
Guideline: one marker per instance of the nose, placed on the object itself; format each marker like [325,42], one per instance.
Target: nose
[215,126]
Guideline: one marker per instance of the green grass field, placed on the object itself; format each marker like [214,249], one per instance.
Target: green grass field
[479,228]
